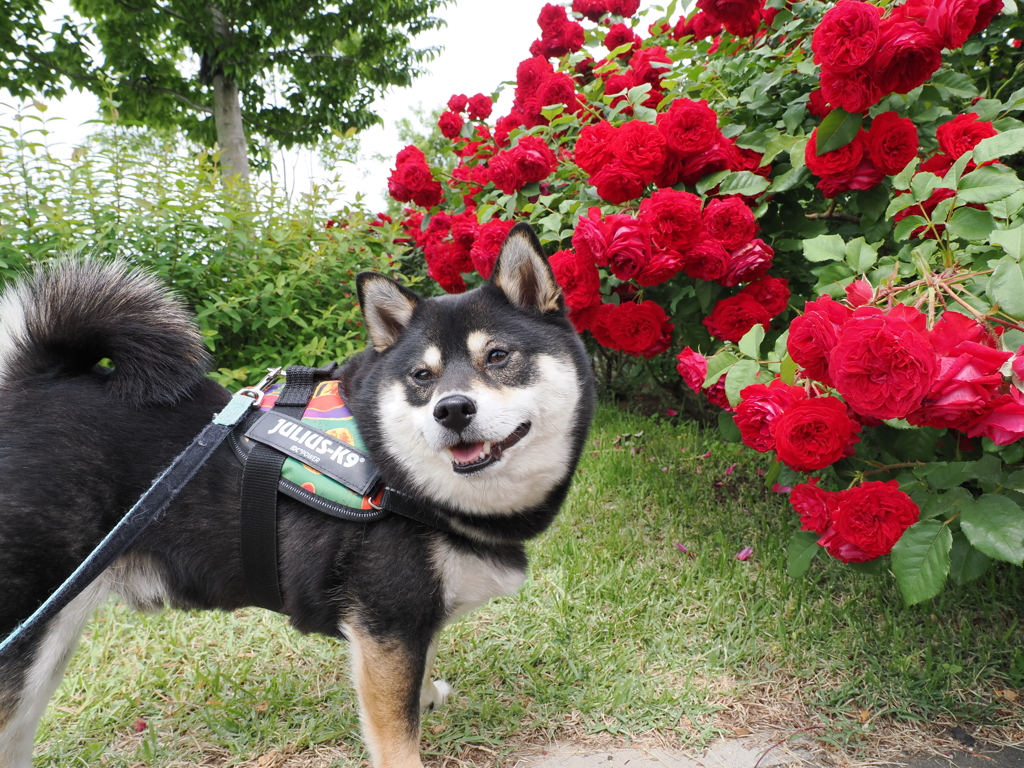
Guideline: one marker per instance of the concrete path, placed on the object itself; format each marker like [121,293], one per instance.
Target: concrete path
[745,752]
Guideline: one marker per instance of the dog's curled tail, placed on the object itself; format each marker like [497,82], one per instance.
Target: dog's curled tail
[72,315]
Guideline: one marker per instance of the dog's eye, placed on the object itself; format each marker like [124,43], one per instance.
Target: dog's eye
[423,375]
[496,356]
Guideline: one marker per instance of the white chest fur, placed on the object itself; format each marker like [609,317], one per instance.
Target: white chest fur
[470,581]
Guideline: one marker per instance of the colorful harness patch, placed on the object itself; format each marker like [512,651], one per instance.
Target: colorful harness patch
[327,413]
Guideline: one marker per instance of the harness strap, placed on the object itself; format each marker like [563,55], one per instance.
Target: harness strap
[259,494]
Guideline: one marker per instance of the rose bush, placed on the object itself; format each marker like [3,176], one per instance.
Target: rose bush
[808,214]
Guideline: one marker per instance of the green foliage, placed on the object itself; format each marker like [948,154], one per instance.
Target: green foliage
[304,69]
[272,282]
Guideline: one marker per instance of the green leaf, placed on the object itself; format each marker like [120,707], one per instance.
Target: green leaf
[742,374]
[957,83]
[837,130]
[902,179]
[923,184]
[920,560]
[825,248]
[802,549]
[971,224]
[711,181]
[787,370]
[1000,145]
[907,226]
[988,184]
[860,256]
[965,562]
[1011,240]
[743,183]
[717,366]
[953,474]
[995,525]
[946,504]
[780,143]
[1006,286]
[773,474]
[750,344]
[727,427]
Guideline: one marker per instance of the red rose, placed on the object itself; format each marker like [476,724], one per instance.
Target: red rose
[965,389]
[908,54]
[881,365]
[847,36]
[689,126]
[1005,422]
[735,15]
[640,147]
[864,176]
[838,161]
[987,11]
[594,146]
[814,433]
[772,293]
[962,134]
[891,142]
[673,218]
[650,65]
[487,245]
[480,107]
[443,266]
[813,335]
[953,329]
[951,20]
[533,158]
[504,172]
[629,327]
[853,91]
[729,221]
[859,293]
[559,34]
[721,156]
[760,405]
[464,230]
[812,503]
[530,74]
[578,278]
[618,35]
[818,105]
[734,316]
[558,88]
[629,248]
[591,9]
[616,183]
[700,27]
[748,263]
[692,367]
[715,394]
[458,102]
[873,516]
[624,8]
[450,124]
[590,238]
[664,265]
[707,260]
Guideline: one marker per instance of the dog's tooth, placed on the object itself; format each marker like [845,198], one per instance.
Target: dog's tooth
[487,448]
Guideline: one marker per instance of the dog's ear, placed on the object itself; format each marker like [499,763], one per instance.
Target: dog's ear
[524,275]
[387,308]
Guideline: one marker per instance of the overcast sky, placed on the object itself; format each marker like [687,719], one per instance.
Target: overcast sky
[483,42]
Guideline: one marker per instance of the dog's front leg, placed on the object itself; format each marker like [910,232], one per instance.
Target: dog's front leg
[388,675]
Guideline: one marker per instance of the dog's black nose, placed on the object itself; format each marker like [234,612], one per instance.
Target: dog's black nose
[454,412]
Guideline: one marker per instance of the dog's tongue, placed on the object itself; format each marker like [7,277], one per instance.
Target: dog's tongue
[466,453]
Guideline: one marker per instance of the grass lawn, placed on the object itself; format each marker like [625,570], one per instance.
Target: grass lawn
[616,631]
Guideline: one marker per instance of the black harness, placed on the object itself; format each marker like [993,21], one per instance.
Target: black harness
[261,483]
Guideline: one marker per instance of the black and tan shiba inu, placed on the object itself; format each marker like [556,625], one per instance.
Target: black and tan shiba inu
[476,406]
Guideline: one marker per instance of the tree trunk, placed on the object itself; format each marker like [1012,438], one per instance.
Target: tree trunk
[227,111]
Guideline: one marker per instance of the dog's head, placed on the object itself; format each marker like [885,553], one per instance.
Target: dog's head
[480,401]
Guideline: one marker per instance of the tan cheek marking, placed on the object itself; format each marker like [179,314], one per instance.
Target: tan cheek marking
[385,682]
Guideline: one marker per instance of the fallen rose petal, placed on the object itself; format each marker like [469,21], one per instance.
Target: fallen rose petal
[671,412]
[681,548]
[781,488]
[139,725]
[707,455]
[745,553]
[729,471]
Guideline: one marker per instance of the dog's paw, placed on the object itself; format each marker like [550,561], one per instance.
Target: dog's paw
[434,695]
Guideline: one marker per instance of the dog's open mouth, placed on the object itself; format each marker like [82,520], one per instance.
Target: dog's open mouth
[472,457]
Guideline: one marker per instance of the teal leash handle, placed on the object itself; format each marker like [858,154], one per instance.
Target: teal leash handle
[147,509]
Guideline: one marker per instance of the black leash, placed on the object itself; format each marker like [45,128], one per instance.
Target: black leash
[147,509]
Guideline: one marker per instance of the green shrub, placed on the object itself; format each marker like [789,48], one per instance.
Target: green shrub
[272,280]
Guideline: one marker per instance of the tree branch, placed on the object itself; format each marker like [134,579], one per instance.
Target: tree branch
[143,86]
